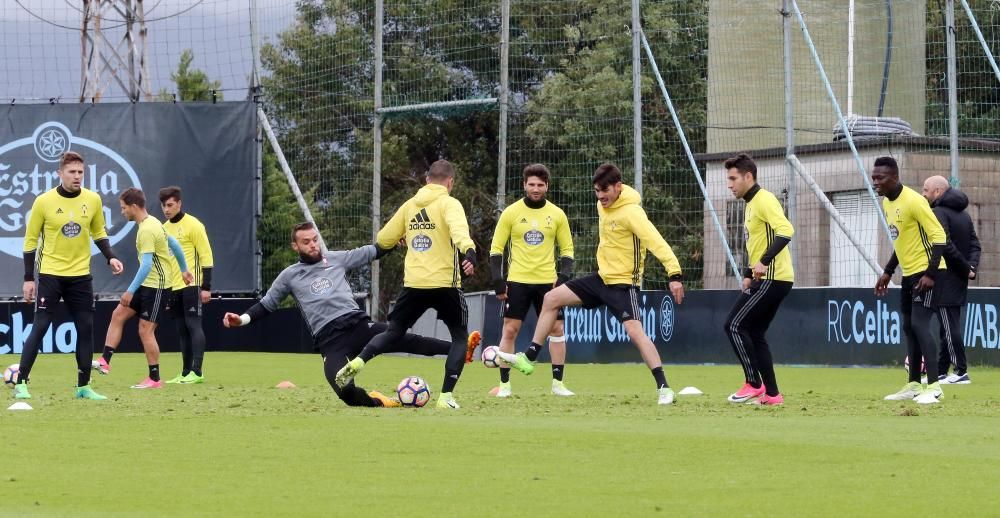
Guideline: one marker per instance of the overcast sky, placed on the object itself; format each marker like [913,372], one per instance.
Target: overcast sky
[40,47]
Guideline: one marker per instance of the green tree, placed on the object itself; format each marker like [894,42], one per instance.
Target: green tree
[192,84]
[571,69]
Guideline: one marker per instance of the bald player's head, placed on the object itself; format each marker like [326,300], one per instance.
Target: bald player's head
[934,187]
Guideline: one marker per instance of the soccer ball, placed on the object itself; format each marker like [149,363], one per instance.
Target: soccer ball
[413,391]
[491,358]
[923,365]
[10,374]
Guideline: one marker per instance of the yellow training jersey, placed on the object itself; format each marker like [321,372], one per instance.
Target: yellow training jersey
[532,235]
[763,219]
[190,233]
[66,226]
[625,235]
[436,233]
[152,238]
[914,230]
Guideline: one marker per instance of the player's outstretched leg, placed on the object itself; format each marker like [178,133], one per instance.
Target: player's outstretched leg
[553,301]
[352,395]
[394,334]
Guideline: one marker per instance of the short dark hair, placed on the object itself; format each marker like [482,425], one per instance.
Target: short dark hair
[441,170]
[742,163]
[607,174]
[69,157]
[170,192]
[305,225]
[889,162]
[133,196]
[537,170]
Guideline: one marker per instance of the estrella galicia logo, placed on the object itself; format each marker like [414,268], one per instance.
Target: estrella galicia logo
[667,318]
[534,237]
[321,286]
[71,229]
[29,167]
[420,243]
[894,232]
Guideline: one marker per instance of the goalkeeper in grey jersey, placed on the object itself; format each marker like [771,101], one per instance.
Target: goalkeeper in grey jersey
[340,329]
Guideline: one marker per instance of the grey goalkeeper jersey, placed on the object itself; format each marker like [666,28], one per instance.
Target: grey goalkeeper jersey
[321,289]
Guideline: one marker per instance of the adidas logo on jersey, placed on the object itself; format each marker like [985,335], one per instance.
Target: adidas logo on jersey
[59,210]
[422,221]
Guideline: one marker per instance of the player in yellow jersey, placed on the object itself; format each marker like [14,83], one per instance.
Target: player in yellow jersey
[529,231]
[190,233]
[918,242]
[625,234]
[766,282]
[439,250]
[63,222]
[150,292]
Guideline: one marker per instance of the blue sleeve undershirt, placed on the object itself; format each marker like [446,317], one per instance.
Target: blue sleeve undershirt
[178,251]
[145,266]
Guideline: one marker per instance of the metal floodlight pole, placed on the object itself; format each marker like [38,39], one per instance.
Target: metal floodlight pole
[504,106]
[952,90]
[294,185]
[792,205]
[123,62]
[690,155]
[840,115]
[377,154]
[637,94]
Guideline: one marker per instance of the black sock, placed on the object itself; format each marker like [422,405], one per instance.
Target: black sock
[107,354]
[755,384]
[185,372]
[557,371]
[504,375]
[154,372]
[82,377]
[196,372]
[533,350]
[660,377]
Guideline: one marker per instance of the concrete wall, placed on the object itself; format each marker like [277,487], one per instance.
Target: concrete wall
[746,74]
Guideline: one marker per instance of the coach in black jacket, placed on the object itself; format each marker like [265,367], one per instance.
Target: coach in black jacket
[950,287]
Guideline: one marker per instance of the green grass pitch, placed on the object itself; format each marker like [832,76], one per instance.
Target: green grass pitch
[236,446]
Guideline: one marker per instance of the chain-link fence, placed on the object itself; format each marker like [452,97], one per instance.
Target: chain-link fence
[741,73]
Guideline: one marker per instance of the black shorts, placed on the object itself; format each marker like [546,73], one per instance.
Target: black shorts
[621,299]
[186,302]
[950,289]
[347,336]
[521,297]
[909,297]
[151,304]
[413,302]
[76,292]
